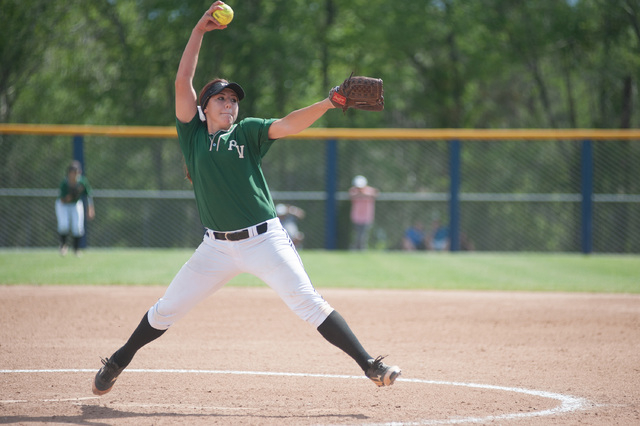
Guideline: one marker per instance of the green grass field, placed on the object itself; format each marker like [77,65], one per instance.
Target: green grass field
[373,269]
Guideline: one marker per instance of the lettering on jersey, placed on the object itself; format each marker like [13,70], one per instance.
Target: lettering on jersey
[239,148]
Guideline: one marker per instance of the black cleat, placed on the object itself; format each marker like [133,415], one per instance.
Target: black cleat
[382,374]
[106,377]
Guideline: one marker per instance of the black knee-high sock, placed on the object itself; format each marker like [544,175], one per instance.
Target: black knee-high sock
[63,239]
[142,335]
[337,332]
[76,243]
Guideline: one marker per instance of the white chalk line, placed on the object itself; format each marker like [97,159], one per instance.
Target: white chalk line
[568,403]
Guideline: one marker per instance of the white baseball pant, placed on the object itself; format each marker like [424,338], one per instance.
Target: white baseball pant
[70,218]
[270,256]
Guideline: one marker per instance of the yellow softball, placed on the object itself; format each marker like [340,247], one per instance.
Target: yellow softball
[224,15]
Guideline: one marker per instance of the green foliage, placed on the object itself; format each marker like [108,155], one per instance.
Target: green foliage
[451,63]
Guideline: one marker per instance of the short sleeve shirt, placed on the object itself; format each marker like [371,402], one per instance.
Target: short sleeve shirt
[363,205]
[226,170]
[416,236]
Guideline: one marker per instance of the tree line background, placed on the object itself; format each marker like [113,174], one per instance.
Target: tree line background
[445,64]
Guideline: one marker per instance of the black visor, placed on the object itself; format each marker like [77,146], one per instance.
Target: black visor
[219,87]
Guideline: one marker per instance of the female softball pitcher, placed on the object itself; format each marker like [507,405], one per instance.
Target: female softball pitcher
[243,232]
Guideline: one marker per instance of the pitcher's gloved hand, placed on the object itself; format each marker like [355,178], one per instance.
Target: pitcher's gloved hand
[365,93]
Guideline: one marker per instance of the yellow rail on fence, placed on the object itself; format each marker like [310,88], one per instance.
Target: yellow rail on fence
[337,133]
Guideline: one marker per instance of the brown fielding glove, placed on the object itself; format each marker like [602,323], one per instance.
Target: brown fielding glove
[363,93]
[73,192]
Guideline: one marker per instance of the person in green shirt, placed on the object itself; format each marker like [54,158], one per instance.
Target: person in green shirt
[70,207]
[243,233]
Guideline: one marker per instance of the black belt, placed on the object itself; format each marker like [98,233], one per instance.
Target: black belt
[239,235]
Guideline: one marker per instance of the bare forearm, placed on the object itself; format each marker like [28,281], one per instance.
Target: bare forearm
[189,60]
[185,93]
[298,120]
[186,97]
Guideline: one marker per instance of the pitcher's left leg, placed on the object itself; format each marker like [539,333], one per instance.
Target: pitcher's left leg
[275,260]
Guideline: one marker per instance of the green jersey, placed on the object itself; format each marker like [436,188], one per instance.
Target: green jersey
[225,168]
[76,191]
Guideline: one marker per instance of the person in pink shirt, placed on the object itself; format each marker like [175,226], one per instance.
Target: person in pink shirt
[363,207]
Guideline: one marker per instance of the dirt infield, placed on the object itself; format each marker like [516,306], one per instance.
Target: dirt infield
[241,357]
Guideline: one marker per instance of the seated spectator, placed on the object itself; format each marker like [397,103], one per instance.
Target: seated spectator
[439,237]
[289,216]
[414,238]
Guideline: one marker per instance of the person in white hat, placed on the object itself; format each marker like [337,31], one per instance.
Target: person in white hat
[363,206]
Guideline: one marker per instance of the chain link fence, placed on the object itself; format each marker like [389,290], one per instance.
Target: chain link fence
[514,195]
